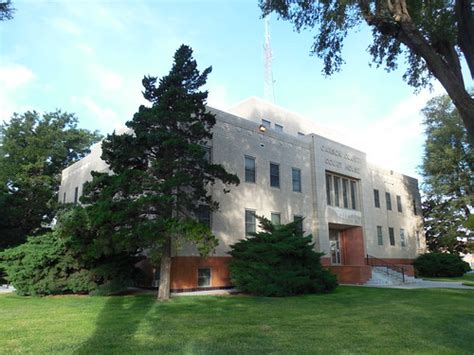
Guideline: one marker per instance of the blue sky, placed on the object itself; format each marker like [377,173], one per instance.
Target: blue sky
[89,57]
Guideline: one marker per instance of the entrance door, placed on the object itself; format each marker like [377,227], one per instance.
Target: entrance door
[335,245]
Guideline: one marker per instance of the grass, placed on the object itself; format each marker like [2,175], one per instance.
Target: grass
[350,320]
[465,277]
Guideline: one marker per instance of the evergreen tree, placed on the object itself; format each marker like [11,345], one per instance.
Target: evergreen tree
[279,261]
[448,174]
[161,172]
[34,149]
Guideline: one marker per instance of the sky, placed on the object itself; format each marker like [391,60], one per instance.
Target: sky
[89,57]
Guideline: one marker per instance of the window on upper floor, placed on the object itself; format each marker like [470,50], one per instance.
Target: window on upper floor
[274,175]
[399,203]
[301,135]
[376,198]
[203,215]
[341,191]
[296,179]
[415,211]
[379,235]
[278,127]
[249,169]
[266,123]
[388,201]
[64,197]
[391,235]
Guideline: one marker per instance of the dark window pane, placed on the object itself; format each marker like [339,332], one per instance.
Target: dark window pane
[337,182]
[376,198]
[391,235]
[379,235]
[345,192]
[204,215]
[249,169]
[353,195]
[299,223]
[399,203]
[388,200]
[296,177]
[266,123]
[328,188]
[76,195]
[204,277]
[274,175]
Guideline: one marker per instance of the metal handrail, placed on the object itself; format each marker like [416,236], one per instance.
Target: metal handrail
[386,264]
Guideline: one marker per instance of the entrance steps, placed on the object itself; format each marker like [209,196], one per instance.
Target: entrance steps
[382,275]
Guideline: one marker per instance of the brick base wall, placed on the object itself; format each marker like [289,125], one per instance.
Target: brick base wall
[352,274]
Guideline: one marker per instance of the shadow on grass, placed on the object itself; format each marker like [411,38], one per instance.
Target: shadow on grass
[117,323]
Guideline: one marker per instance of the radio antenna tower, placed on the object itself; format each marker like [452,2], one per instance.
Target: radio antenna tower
[268,89]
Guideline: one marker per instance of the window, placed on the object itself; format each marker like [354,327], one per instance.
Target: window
[388,201]
[341,191]
[337,183]
[64,197]
[204,277]
[345,193]
[76,195]
[399,203]
[274,175]
[207,154]
[418,242]
[266,124]
[296,177]
[276,218]
[278,127]
[379,235]
[376,198]
[415,212]
[299,222]
[204,215]
[403,241]
[328,188]
[300,135]
[353,195]
[391,235]
[249,169]
[250,222]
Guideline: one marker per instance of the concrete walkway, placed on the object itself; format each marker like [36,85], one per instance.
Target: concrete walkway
[6,289]
[426,284]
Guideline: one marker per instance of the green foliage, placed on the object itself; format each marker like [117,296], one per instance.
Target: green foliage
[34,149]
[448,171]
[440,265]
[279,261]
[43,266]
[162,175]
[6,10]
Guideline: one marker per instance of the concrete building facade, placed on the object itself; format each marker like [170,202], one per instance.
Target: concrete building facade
[292,170]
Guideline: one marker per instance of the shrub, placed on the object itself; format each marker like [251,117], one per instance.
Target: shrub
[440,265]
[43,265]
[279,261]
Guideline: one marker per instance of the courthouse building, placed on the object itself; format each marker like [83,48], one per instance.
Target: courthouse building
[291,170]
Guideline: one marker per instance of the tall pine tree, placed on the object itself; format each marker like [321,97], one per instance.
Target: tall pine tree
[161,172]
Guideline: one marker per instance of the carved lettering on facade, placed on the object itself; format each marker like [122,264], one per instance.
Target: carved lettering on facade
[343,155]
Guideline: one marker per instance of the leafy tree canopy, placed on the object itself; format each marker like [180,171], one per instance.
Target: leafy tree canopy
[448,174]
[34,149]
[161,171]
[432,35]
[6,10]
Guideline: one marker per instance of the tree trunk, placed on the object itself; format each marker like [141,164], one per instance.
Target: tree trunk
[165,272]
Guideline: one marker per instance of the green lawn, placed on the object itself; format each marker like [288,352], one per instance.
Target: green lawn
[465,277]
[350,320]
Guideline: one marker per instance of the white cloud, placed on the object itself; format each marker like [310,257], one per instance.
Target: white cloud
[14,76]
[13,79]
[109,80]
[218,97]
[67,26]
[107,117]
